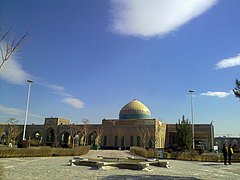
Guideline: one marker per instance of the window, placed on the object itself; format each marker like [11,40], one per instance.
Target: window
[131,141]
[122,141]
[138,141]
[105,140]
[116,141]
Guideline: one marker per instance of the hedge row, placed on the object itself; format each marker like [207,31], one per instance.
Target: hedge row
[42,152]
[151,153]
[206,157]
[188,156]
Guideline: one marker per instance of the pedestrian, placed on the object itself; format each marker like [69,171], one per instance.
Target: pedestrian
[230,153]
[225,153]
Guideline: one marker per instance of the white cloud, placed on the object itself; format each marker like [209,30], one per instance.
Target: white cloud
[68,98]
[60,90]
[74,102]
[217,94]
[12,72]
[229,62]
[16,113]
[147,18]
[56,87]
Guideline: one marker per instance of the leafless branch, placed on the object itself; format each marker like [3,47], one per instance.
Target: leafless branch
[11,45]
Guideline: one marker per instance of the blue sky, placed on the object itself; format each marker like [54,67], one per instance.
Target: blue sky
[89,58]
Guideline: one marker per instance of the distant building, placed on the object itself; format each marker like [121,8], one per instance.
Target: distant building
[203,136]
[135,127]
[234,141]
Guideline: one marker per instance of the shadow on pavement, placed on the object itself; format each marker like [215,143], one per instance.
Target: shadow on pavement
[220,164]
[147,177]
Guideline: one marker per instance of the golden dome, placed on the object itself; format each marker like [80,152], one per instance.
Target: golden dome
[135,110]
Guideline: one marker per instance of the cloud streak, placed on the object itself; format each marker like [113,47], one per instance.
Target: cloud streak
[141,18]
[229,62]
[12,71]
[74,102]
[218,94]
[18,113]
[68,98]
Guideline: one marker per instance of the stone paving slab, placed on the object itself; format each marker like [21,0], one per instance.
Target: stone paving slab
[56,168]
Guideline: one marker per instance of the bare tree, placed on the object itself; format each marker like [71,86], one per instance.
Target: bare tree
[9,45]
[11,130]
[85,131]
[236,90]
[146,132]
[152,135]
[99,133]
[73,133]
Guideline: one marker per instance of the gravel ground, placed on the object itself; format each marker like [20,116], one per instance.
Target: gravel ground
[57,168]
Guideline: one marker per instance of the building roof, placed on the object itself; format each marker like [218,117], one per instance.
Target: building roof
[135,110]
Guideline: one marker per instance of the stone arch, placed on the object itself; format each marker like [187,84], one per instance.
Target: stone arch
[150,143]
[3,138]
[91,138]
[65,139]
[37,135]
[50,137]
[36,138]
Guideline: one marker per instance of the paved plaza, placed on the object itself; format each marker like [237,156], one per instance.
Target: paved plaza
[57,168]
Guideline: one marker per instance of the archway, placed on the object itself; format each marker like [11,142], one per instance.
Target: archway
[36,138]
[3,138]
[150,144]
[91,138]
[50,137]
[65,139]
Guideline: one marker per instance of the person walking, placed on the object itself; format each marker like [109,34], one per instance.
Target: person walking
[230,153]
[225,153]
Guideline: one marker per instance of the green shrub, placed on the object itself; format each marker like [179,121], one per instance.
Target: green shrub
[217,157]
[42,152]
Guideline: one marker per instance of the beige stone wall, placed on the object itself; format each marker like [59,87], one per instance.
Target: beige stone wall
[160,134]
[203,135]
[150,132]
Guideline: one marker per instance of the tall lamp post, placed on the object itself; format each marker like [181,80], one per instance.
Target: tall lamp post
[191,93]
[26,114]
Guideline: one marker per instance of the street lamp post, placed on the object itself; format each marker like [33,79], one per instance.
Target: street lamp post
[193,143]
[26,114]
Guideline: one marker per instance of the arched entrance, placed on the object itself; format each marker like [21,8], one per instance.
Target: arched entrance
[150,144]
[91,138]
[36,138]
[50,139]
[65,139]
